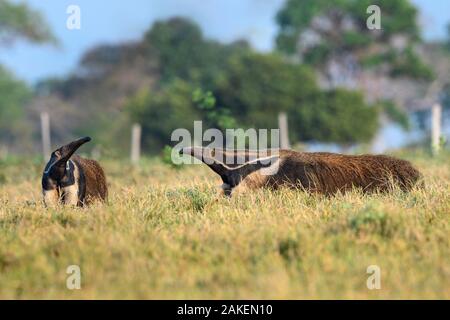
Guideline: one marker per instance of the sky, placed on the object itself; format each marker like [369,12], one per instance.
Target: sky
[115,21]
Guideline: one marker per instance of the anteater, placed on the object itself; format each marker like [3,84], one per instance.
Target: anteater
[317,172]
[72,180]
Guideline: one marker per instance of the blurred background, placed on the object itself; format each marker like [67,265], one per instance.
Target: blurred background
[162,64]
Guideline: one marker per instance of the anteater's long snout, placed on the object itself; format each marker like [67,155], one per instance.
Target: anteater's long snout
[68,150]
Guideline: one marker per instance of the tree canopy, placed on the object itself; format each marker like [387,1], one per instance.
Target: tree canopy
[13,96]
[249,89]
[19,21]
[320,31]
[175,75]
[182,51]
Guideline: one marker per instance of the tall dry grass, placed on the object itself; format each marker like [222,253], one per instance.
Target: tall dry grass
[164,234]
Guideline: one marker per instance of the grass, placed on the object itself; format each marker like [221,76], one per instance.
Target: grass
[164,234]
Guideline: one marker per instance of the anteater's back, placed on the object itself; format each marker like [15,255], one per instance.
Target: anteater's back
[328,172]
[96,187]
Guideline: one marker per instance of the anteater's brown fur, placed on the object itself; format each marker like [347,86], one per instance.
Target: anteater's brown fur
[95,180]
[329,172]
[320,172]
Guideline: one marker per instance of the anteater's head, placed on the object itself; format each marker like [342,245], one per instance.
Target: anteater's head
[57,167]
[232,165]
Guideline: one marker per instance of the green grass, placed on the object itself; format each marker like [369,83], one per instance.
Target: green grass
[165,234]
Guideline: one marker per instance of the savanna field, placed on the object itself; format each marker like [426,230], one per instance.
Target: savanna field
[165,234]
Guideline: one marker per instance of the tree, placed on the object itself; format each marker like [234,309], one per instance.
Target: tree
[175,76]
[326,33]
[338,116]
[216,117]
[333,37]
[257,87]
[13,96]
[101,59]
[182,51]
[162,112]
[19,21]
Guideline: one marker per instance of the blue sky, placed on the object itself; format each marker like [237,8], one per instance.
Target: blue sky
[114,21]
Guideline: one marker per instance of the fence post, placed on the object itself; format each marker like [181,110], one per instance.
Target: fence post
[136,132]
[45,134]
[284,131]
[436,113]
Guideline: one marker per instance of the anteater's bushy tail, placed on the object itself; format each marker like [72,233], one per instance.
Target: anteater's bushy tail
[335,172]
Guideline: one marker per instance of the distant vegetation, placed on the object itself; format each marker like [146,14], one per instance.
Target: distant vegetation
[153,80]
[17,22]
[322,32]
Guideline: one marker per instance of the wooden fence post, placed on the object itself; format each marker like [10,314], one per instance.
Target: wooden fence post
[45,134]
[284,131]
[436,114]
[136,132]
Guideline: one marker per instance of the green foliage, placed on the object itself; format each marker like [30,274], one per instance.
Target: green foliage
[18,20]
[182,51]
[290,249]
[204,100]
[398,16]
[178,45]
[239,89]
[339,116]
[405,64]
[446,97]
[317,54]
[347,33]
[216,117]
[249,93]
[372,221]
[410,65]
[257,87]
[161,112]
[394,113]
[295,17]
[167,157]
[13,96]
[353,40]
[197,198]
